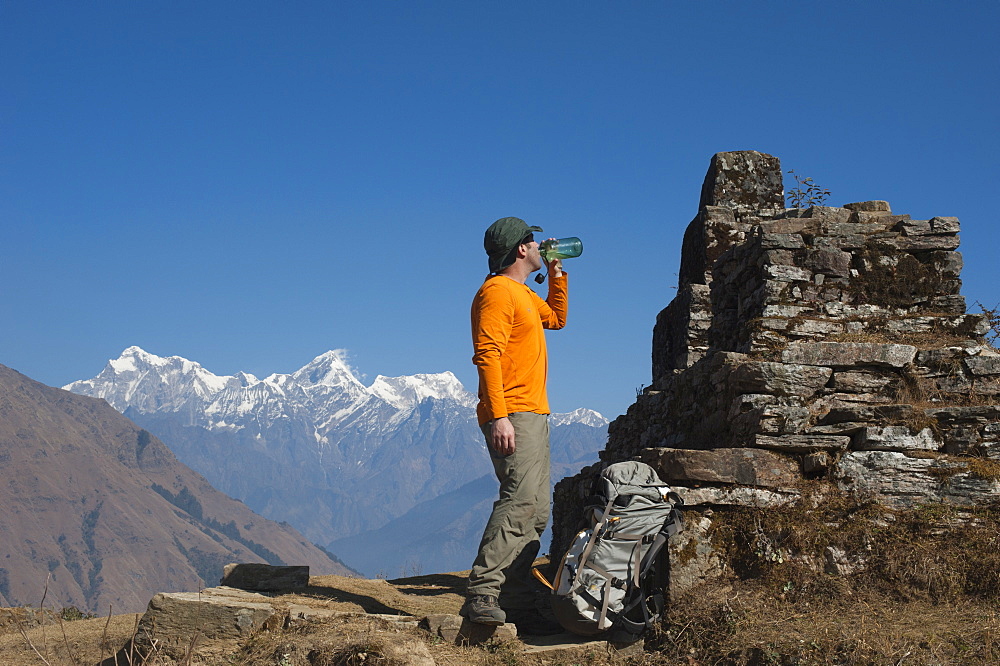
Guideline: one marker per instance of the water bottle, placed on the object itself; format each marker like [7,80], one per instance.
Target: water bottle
[560,248]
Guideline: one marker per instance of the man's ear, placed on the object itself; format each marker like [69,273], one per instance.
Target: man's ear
[522,250]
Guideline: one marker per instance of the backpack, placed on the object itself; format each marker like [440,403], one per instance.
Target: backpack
[613,575]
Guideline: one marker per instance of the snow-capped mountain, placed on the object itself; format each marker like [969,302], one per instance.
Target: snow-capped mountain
[317,447]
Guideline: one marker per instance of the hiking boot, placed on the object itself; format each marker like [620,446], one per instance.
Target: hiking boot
[530,622]
[483,609]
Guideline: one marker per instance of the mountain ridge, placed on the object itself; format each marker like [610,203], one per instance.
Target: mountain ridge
[99,512]
[318,448]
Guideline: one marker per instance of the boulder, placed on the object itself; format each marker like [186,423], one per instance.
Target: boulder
[750,467]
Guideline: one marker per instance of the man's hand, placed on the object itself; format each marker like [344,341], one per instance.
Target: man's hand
[502,436]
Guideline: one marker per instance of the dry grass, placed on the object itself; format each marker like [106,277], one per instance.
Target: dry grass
[749,625]
[78,642]
[919,587]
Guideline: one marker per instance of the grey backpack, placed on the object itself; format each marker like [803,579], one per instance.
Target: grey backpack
[612,577]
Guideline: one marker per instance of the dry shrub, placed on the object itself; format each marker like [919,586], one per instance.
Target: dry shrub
[921,588]
[890,278]
[372,651]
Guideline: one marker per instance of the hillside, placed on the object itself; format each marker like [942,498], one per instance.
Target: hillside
[99,514]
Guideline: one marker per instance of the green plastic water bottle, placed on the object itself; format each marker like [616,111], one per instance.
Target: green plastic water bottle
[560,248]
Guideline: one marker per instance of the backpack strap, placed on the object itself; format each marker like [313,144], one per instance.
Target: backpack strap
[590,545]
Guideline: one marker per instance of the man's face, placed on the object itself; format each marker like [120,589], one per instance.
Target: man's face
[531,253]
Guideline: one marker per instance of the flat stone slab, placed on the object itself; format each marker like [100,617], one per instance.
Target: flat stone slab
[458,630]
[301,613]
[735,496]
[894,438]
[747,467]
[173,620]
[265,577]
[869,206]
[791,379]
[849,354]
[803,443]
[900,480]
[983,365]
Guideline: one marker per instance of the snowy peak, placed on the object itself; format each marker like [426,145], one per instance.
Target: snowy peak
[585,416]
[150,382]
[327,369]
[408,391]
[320,395]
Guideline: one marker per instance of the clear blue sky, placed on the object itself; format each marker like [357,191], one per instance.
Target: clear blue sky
[250,184]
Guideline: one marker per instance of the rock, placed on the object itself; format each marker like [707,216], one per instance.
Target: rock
[923,243]
[828,261]
[789,379]
[828,213]
[915,228]
[173,620]
[817,462]
[693,559]
[790,226]
[265,577]
[781,241]
[849,354]
[734,496]
[299,613]
[894,438]
[745,181]
[837,562]
[750,467]
[842,428]
[949,415]
[458,630]
[945,225]
[870,206]
[787,273]
[902,481]
[962,440]
[859,381]
[948,263]
[803,443]
[983,365]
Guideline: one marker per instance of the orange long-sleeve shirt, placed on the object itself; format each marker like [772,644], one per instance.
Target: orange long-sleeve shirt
[508,343]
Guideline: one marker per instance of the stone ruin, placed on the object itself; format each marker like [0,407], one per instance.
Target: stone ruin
[809,344]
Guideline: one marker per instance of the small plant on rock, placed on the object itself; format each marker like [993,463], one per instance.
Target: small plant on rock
[806,193]
[993,318]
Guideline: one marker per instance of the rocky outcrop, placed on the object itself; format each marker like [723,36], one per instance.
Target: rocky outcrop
[806,344]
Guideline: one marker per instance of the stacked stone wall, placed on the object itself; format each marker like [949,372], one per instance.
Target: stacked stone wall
[821,344]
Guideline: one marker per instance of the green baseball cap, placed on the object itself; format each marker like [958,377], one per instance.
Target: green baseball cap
[502,238]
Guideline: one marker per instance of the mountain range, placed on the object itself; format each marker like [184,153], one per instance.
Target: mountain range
[339,460]
[98,513]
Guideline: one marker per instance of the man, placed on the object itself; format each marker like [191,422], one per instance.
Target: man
[508,340]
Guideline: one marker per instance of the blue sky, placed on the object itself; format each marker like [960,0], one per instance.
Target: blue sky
[248,185]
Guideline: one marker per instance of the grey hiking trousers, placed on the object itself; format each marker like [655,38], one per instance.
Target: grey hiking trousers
[511,539]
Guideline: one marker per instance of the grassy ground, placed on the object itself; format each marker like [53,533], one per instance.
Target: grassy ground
[912,588]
